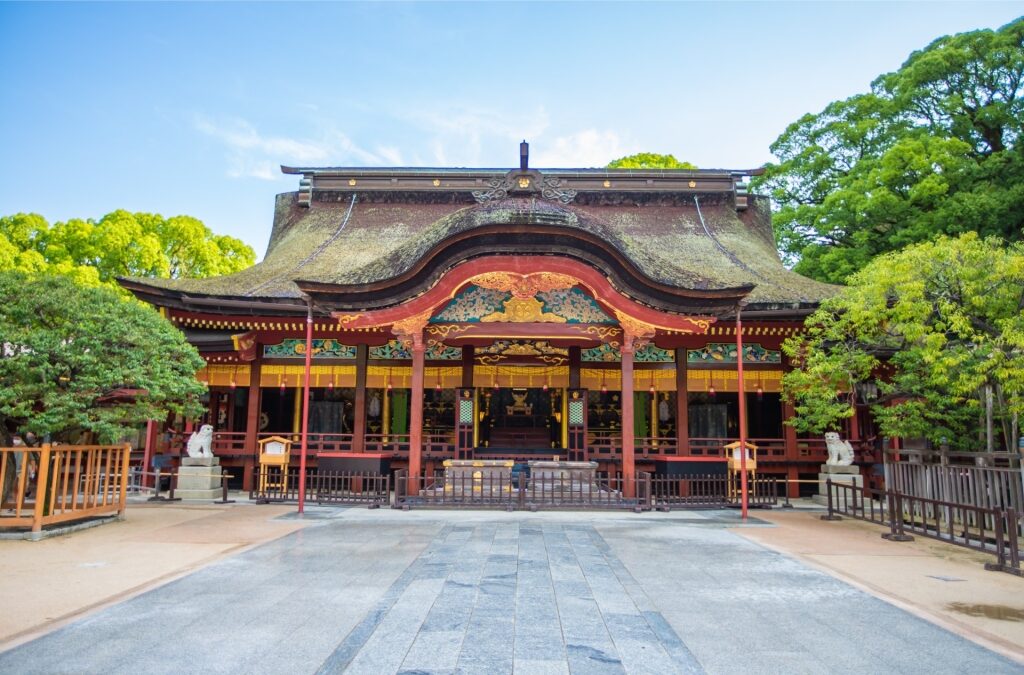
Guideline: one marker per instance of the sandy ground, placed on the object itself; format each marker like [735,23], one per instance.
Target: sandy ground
[46,583]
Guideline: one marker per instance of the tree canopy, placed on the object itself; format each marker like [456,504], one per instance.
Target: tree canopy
[649,160]
[929,328]
[932,149]
[119,244]
[64,348]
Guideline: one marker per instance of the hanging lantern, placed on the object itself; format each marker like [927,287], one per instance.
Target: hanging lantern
[233,385]
[760,393]
[330,384]
[651,389]
[711,392]
[545,387]
[437,386]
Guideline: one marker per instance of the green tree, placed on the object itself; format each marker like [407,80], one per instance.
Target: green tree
[931,328]
[56,364]
[649,160]
[933,149]
[119,244]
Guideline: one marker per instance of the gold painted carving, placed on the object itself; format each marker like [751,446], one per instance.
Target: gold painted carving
[633,326]
[523,310]
[524,182]
[446,329]
[524,285]
[604,332]
[410,330]
[345,319]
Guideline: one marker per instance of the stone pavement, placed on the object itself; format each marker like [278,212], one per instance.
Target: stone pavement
[386,591]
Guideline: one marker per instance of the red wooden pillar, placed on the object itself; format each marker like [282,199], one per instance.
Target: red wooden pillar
[416,408]
[305,408]
[682,404]
[252,424]
[359,411]
[628,439]
[793,473]
[151,436]
[742,397]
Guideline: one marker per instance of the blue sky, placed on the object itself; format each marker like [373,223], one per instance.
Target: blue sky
[191,108]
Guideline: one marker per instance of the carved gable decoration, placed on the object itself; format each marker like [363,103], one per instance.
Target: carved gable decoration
[293,348]
[471,304]
[575,305]
[530,182]
[515,298]
[725,352]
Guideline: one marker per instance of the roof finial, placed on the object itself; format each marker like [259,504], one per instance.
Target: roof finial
[524,156]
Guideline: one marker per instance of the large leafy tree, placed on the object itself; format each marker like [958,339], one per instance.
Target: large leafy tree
[119,244]
[649,160]
[65,349]
[933,329]
[932,149]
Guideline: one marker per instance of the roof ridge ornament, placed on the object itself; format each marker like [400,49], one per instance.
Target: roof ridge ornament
[528,182]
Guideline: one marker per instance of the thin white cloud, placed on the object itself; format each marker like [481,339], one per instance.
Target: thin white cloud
[459,135]
[390,154]
[586,148]
[255,155]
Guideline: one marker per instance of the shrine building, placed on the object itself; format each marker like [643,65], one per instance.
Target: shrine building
[588,314]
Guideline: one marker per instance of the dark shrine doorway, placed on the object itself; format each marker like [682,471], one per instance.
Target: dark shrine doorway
[521,418]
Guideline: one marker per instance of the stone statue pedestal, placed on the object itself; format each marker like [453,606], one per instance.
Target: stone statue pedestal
[199,479]
[848,475]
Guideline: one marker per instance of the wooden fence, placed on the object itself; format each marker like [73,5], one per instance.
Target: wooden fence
[989,530]
[61,483]
[990,488]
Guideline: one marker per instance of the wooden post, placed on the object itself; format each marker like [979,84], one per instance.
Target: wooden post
[742,397]
[147,456]
[359,412]
[416,411]
[42,488]
[628,440]
[305,408]
[682,403]
[468,356]
[575,356]
[122,499]
[252,424]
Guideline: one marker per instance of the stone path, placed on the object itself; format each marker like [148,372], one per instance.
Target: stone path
[455,592]
[538,598]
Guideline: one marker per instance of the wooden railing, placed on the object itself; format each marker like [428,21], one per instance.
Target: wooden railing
[990,530]
[71,482]
[601,445]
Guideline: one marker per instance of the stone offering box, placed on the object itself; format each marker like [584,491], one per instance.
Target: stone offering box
[477,476]
[563,476]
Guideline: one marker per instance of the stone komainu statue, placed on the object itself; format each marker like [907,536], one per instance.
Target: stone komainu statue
[840,453]
[200,442]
